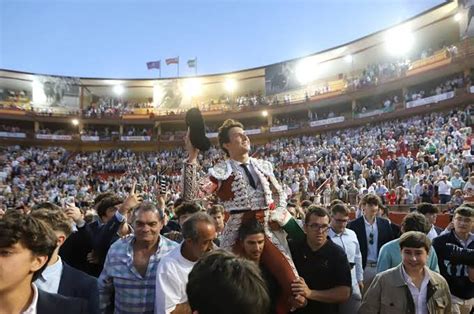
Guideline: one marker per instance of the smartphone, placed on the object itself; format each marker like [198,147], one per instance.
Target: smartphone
[138,188]
[70,200]
[162,181]
[163,184]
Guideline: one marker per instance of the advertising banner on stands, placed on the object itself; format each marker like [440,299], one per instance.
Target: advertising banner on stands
[135,138]
[54,137]
[430,100]
[253,131]
[326,121]
[13,134]
[87,138]
[279,128]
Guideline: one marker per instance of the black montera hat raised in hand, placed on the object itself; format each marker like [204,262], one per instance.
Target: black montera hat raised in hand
[197,131]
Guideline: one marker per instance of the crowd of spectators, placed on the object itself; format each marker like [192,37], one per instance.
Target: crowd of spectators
[415,161]
[444,87]
[388,157]
[133,131]
[105,133]
[10,128]
[372,75]
[14,96]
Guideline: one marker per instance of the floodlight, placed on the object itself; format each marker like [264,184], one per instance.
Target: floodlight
[399,40]
[230,85]
[192,87]
[305,72]
[118,89]
[39,97]
[348,58]
[265,113]
[457,17]
[75,122]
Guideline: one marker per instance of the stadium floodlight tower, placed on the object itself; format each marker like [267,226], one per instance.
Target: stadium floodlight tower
[350,60]
[192,87]
[118,90]
[399,40]
[305,71]
[231,86]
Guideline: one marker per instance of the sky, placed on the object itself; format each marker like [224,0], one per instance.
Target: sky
[115,38]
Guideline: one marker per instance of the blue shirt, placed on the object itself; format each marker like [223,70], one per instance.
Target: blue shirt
[51,277]
[371,248]
[390,256]
[121,282]
[347,240]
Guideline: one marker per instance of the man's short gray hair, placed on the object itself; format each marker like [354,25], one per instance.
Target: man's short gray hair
[149,207]
[189,229]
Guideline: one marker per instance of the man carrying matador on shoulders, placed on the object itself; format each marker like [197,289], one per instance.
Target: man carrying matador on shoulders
[248,189]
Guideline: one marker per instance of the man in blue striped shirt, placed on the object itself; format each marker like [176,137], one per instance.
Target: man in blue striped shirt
[127,282]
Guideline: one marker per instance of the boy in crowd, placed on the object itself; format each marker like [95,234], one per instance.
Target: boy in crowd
[410,287]
[26,245]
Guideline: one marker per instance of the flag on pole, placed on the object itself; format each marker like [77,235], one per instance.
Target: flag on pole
[154,65]
[192,63]
[174,60]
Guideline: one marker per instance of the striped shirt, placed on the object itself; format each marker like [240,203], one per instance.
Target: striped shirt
[123,285]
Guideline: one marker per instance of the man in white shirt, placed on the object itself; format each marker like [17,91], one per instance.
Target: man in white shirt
[469,184]
[430,212]
[199,232]
[444,190]
[347,240]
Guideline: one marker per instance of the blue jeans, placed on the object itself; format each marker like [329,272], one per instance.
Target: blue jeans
[443,198]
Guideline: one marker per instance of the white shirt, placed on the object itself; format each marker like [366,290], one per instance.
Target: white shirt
[466,243]
[432,234]
[50,277]
[347,240]
[468,185]
[372,253]
[32,308]
[418,295]
[171,280]
[444,188]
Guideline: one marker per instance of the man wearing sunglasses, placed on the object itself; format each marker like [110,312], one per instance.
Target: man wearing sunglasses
[325,275]
[372,232]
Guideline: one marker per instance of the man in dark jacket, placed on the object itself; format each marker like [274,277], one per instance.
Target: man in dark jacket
[372,232]
[98,236]
[453,269]
[26,244]
[59,277]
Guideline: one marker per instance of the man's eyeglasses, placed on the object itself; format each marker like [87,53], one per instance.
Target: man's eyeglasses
[371,238]
[318,227]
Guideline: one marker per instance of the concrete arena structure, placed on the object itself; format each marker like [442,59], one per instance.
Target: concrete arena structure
[272,100]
